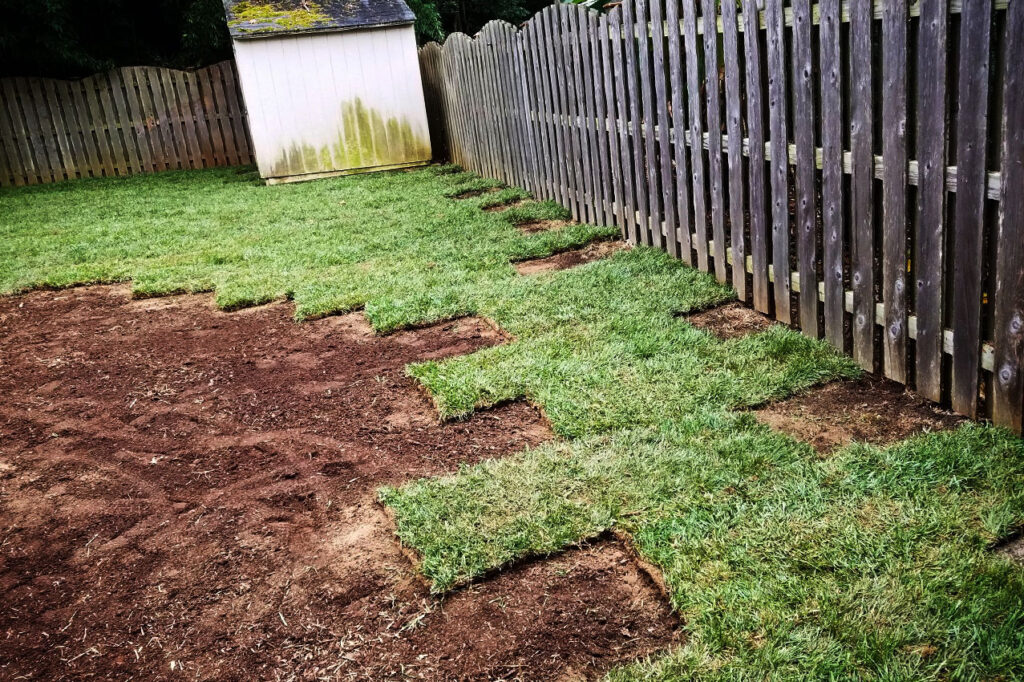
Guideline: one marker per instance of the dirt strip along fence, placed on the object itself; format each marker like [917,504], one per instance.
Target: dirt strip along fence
[855,169]
[129,120]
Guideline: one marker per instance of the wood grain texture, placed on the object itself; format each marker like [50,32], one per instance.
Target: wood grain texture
[677,87]
[862,246]
[833,234]
[712,96]
[972,127]
[1008,380]
[756,167]
[806,175]
[691,52]
[734,129]
[776,63]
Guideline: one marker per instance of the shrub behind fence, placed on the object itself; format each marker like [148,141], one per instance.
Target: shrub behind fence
[852,168]
[130,120]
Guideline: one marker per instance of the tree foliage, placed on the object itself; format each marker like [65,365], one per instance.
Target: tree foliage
[74,38]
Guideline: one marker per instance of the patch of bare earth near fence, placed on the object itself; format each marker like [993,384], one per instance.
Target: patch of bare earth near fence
[570,259]
[189,492]
[869,410]
[730,321]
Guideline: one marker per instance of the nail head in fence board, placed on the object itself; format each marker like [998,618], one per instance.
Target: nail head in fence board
[1008,380]
[894,195]
[679,129]
[625,147]
[832,171]
[862,245]
[929,261]
[714,126]
[805,176]
[730,44]
[691,50]
[975,25]
[636,139]
[661,98]
[654,217]
[779,157]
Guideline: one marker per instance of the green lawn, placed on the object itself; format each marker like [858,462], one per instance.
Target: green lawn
[871,563]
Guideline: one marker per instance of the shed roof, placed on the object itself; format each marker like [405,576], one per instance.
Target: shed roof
[266,18]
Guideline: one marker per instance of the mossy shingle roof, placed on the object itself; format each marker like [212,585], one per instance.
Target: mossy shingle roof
[265,18]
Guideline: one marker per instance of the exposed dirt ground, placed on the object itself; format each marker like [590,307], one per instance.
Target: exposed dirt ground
[534,226]
[189,493]
[730,321]
[570,259]
[870,410]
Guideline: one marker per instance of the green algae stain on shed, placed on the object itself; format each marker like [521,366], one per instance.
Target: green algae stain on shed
[253,16]
[366,138]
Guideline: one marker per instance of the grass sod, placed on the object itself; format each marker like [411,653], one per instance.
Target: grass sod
[875,563]
[760,540]
[392,242]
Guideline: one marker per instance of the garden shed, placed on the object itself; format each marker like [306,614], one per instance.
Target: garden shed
[331,87]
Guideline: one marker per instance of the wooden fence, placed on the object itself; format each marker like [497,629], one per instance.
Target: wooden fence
[872,154]
[130,120]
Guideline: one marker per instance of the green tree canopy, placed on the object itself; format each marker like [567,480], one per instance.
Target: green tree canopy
[74,38]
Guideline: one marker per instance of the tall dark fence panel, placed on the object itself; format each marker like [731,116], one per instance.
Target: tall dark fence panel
[855,169]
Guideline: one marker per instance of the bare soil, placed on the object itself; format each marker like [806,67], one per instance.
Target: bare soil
[1014,549]
[869,410]
[501,208]
[189,492]
[730,321]
[471,193]
[535,226]
[570,259]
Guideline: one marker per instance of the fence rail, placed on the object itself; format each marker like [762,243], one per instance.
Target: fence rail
[129,120]
[855,169]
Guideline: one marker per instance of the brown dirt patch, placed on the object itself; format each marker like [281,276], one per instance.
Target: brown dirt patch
[570,259]
[580,612]
[730,321]
[1014,549]
[471,193]
[869,410]
[535,226]
[184,491]
[501,208]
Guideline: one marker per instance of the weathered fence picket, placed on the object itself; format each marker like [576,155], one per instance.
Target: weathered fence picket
[130,120]
[813,146]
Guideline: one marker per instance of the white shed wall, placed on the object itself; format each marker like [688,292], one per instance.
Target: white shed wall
[319,103]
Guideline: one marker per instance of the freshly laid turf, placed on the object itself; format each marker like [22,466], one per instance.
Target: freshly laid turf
[870,563]
[393,242]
